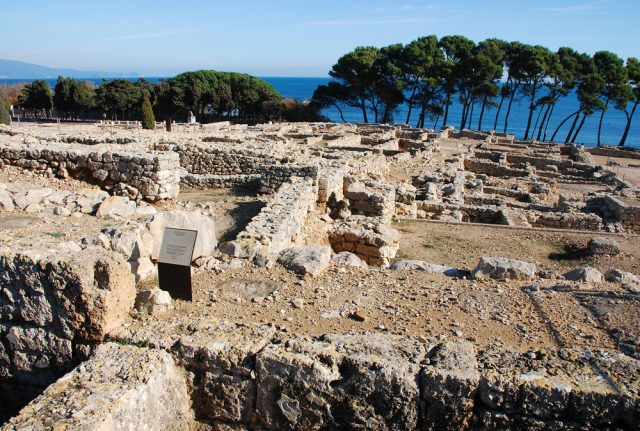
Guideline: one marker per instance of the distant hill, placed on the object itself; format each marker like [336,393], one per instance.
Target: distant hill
[11,69]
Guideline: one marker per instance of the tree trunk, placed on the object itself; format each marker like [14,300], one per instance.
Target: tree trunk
[573,127]
[484,104]
[364,111]
[628,126]
[436,123]
[413,93]
[562,124]
[473,105]
[341,113]
[420,122]
[506,119]
[535,126]
[532,108]
[544,120]
[606,105]
[584,117]
[446,110]
[464,113]
[495,123]
[546,126]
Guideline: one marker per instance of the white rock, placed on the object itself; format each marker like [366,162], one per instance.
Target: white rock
[500,268]
[6,201]
[348,259]
[116,207]
[419,265]
[310,260]
[153,301]
[584,273]
[205,242]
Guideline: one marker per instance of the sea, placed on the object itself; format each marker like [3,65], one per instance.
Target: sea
[613,125]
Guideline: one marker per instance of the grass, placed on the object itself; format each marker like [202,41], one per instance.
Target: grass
[128,342]
[428,245]
[56,234]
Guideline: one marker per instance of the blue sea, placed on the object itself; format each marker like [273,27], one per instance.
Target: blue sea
[612,129]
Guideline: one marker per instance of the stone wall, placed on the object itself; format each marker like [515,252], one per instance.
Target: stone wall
[493,169]
[221,181]
[374,243]
[53,309]
[133,173]
[370,197]
[279,222]
[330,182]
[627,153]
[209,160]
[210,166]
[245,377]
[628,215]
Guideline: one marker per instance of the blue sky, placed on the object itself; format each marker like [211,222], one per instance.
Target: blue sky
[289,38]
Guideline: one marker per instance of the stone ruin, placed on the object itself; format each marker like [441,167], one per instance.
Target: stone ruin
[65,347]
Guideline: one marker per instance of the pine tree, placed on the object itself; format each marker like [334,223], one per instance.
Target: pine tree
[148,119]
[4,111]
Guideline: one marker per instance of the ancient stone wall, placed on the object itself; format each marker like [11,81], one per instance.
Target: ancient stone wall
[627,153]
[372,241]
[209,160]
[493,169]
[242,376]
[53,309]
[128,172]
[208,166]
[628,215]
[279,222]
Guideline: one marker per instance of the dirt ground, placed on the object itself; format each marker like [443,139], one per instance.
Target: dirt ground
[624,171]
[461,245]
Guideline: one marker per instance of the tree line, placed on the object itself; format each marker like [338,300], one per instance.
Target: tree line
[428,74]
[208,94]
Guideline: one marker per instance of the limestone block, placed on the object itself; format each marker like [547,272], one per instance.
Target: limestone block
[584,273]
[116,207]
[205,242]
[449,386]
[310,260]
[119,388]
[504,269]
[345,382]
[604,246]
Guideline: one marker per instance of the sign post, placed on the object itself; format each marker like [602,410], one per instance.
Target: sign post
[174,262]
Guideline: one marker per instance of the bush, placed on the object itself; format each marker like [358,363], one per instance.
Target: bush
[4,112]
[148,119]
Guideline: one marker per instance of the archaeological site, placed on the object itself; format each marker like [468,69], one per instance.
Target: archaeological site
[359,277]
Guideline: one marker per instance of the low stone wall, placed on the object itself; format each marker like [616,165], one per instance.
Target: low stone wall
[561,220]
[209,166]
[208,160]
[279,222]
[272,177]
[628,215]
[53,309]
[493,169]
[136,174]
[627,153]
[370,197]
[376,244]
[221,181]
[244,376]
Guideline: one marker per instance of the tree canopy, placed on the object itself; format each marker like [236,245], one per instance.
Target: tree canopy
[429,74]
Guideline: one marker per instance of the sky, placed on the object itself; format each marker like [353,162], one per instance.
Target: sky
[289,38]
